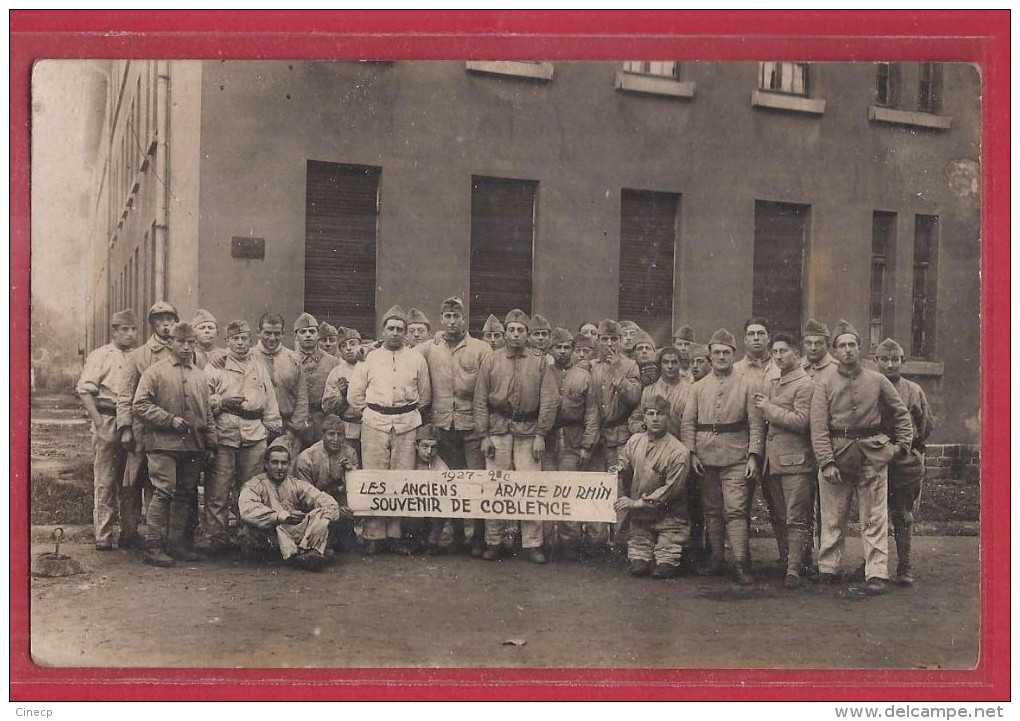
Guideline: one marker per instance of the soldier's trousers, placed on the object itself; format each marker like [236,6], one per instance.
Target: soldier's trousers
[461,450]
[726,496]
[871,485]
[388,451]
[660,540]
[793,501]
[231,469]
[174,476]
[136,483]
[560,455]
[602,458]
[108,474]
[513,453]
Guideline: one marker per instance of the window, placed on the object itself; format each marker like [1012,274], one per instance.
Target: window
[502,247]
[883,249]
[790,78]
[929,88]
[653,77]
[658,68]
[887,84]
[341,219]
[780,237]
[922,322]
[648,240]
[530,69]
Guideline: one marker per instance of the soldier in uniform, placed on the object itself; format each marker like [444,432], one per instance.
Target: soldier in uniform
[172,403]
[583,351]
[206,329]
[789,461]
[288,377]
[515,404]
[161,318]
[539,335]
[568,447]
[683,340]
[850,412]
[653,468]
[419,329]
[245,407]
[97,389]
[906,472]
[325,465]
[316,365]
[670,386]
[815,339]
[646,358]
[701,362]
[329,339]
[493,332]
[589,330]
[628,330]
[334,395]
[725,432]
[453,359]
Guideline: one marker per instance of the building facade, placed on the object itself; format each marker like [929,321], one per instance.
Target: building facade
[662,192]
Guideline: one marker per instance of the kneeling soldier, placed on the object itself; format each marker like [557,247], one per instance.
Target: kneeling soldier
[653,469]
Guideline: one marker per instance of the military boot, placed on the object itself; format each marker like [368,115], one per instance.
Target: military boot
[903,573]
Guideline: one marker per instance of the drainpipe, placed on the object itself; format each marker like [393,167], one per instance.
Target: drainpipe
[161,237]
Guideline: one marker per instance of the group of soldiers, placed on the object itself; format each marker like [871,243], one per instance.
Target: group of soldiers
[270,433]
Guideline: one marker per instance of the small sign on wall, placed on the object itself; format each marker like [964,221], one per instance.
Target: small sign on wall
[248,248]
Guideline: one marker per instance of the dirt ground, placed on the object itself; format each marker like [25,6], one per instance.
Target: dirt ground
[454,611]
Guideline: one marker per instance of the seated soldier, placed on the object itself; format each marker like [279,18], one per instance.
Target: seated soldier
[653,469]
[285,515]
[325,465]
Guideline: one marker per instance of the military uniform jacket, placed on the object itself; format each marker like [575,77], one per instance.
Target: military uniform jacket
[288,379]
[335,401]
[578,413]
[454,373]
[101,375]
[316,366]
[249,379]
[323,469]
[788,424]
[656,471]
[723,400]
[171,389]
[761,372]
[827,364]
[214,357]
[924,423]
[675,393]
[518,384]
[619,392]
[152,351]
[263,504]
[859,400]
[391,379]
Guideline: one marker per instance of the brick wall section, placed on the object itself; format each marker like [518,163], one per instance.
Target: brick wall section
[956,461]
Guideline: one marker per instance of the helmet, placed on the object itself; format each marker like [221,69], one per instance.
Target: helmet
[161,306]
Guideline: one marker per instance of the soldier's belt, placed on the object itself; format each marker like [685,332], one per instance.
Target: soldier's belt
[721,427]
[524,417]
[393,410]
[854,433]
[247,415]
[617,423]
[112,412]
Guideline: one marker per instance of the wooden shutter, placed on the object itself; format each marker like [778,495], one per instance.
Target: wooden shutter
[502,239]
[779,237]
[341,213]
[648,236]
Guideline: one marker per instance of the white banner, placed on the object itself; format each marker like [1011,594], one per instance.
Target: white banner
[506,495]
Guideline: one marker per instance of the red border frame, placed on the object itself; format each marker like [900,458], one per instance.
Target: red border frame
[974,36]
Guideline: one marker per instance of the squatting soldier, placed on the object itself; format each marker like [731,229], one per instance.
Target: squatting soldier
[419,329]
[906,472]
[161,318]
[389,389]
[206,329]
[683,339]
[284,366]
[97,389]
[515,404]
[539,334]
[334,395]
[815,339]
[653,469]
[789,462]
[850,412]
[453,359]
[724,431]
[329,339]
[325,465]
[701,362]
[645,357]
[493,332]
[618,383]
[568,447]
[172,402]
[246,410]
[283,514]
[316,365]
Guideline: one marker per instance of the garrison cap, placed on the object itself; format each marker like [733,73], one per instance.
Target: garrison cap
[609,327]
[161,306]
[327,331]
[517,316]
[814,327]
[395,312]
[723,337]
[237,326]
[668,350]
[279,444]
[347,334]
[561,335]
[426,432]
[684,332]
[203,316]
[583,341]
[889,347]
[843,328]
[305,320]
[698,350]
[657,402]
[452,304]
[538,322]
[181,331]
[492,325]
[416,316]
[124,317]
[629,325]
[332,422]
[643,337]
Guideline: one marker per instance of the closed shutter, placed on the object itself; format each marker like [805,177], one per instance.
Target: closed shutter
[502,238]
[341,213]
[779,239]
[648,237]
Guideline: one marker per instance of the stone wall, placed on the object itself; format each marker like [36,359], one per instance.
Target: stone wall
[953,461]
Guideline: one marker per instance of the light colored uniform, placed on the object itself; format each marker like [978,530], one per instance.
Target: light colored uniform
[316,366]
[325,471]
[334,401]
[288,379]
[99,379]
[263,504]
[675,393]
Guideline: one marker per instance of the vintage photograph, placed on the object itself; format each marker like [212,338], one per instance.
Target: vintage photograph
[505,364]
